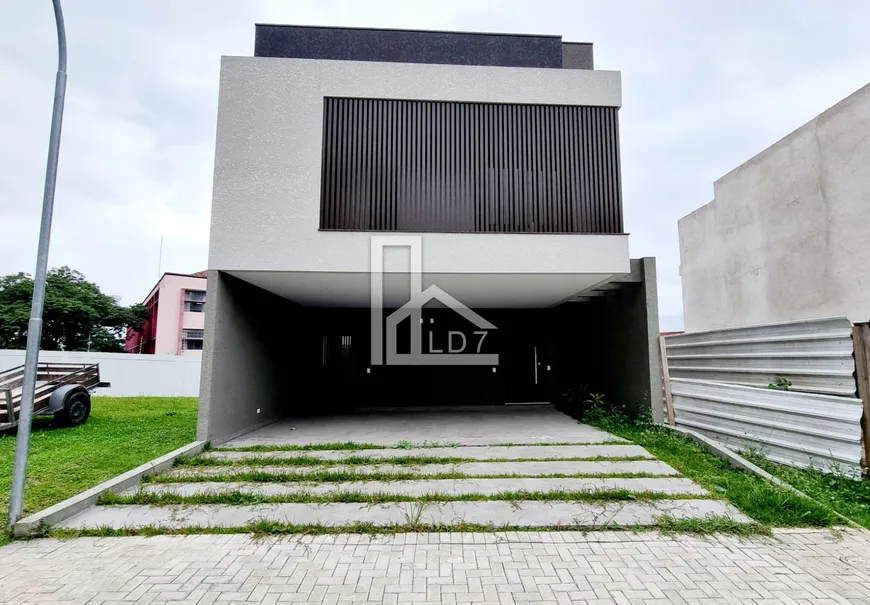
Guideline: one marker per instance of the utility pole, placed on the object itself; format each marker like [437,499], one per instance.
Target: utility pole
[160,258]
[34,326]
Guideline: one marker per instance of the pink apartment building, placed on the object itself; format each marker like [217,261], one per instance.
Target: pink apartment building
[177,304]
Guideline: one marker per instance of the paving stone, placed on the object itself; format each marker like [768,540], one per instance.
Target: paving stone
[529,469]
[798,566]
[475,453]
[497,513]
[670,485]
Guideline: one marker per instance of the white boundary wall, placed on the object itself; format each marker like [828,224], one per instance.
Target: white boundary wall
[130,375]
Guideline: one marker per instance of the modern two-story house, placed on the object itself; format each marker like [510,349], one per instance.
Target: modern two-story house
[414,218]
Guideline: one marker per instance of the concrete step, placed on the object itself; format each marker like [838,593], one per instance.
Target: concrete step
[452,487]
[533,452]
[496,514]
[528,469]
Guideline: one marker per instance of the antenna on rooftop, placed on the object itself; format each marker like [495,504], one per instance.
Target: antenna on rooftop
[160,258]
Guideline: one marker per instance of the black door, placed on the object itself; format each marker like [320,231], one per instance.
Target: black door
[526,370]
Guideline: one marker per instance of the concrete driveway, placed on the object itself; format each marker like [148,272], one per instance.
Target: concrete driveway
[518,467]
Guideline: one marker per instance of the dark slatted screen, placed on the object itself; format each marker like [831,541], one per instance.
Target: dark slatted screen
[469,167]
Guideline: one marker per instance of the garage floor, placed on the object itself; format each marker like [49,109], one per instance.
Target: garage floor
[525,424]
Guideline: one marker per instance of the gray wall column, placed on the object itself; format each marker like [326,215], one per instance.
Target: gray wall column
[634,365]
[254,347]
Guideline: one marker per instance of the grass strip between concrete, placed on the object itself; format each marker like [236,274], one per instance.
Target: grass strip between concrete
[373,461]
[240,498]
[401,445]
[313,447]
[341,476]
[261,529]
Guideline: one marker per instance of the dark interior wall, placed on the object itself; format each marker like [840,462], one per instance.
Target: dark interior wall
[407,46]
[254,358]
[352,380]
[609,345]
[579,348]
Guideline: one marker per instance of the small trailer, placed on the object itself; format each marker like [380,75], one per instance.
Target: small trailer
[62,389]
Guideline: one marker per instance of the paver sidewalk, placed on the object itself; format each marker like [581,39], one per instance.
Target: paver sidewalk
[553,568]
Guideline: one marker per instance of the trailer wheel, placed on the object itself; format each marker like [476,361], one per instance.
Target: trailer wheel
[76,409]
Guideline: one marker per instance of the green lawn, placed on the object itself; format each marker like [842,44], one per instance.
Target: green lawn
[849,497]
[121,434]
[766,503]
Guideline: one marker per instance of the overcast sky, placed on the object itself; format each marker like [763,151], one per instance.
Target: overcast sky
[706,86]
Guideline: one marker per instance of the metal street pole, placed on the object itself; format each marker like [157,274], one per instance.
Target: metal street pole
[34,327]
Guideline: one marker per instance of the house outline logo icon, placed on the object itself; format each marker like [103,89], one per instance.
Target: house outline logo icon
[413,309]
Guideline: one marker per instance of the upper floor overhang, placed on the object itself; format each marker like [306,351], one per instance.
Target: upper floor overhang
[481,270]
[269,155]
[266,222]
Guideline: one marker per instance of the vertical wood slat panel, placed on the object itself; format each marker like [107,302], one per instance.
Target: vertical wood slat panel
[326,189]
[467,167]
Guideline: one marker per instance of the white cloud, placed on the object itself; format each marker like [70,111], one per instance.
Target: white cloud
[707,85]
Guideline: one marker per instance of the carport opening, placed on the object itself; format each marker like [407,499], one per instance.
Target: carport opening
[271,358]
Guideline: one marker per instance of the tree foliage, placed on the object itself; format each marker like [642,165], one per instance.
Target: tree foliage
[77,316]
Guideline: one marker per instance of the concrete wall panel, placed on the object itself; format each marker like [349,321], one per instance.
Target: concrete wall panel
[785,238]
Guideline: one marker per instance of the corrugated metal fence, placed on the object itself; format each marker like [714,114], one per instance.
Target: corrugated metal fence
[815,356]
[719,386]
[800,429]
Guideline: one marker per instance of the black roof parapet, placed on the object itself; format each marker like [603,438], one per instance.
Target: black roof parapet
[418,46]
